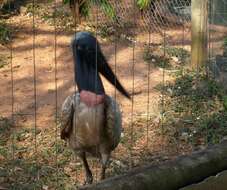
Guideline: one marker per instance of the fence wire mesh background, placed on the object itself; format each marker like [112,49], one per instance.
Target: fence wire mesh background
[145,48]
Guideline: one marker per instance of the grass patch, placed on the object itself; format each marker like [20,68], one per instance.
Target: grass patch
[38,159]
[195,109]
[180,53]
[5,132]
[3,61]
[26,166]
[5,33]
[59,16]
[150,56]
[106,30]
[34,9]
[170,57]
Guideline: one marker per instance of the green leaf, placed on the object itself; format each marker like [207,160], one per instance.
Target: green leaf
[65,1]
[225,103]
[107,8]
[142,4]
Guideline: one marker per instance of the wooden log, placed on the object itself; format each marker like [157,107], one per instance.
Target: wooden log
[171,175]
[217,182]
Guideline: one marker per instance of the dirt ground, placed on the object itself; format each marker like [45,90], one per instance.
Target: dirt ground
[41,77]
[40,57]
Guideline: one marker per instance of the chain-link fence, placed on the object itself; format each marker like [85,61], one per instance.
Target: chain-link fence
[217,37]
[173,110]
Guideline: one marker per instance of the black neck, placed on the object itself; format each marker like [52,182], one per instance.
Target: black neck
[86,74]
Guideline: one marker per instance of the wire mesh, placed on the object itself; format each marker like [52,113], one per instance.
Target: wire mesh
[35,93]
[161,33]
[159,14]
[56,95]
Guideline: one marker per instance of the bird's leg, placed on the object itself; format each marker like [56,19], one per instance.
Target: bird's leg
[104,159]
[89,178]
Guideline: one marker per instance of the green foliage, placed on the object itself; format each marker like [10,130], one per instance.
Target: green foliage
[180,53]
[65,1]
[5,33]
[106,30]
[214,127]
[85,8]
[107,8]
[150,57]
[58,16]
[142,4]
[30,8]
[225,42]
[4,60]
[105,5]
[5,132]
[172,57]
[42,167]
[225,102]
[148,54]
[198,105]
[225,45]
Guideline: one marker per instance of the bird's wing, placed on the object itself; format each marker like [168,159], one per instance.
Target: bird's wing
[113,121]
[66,116]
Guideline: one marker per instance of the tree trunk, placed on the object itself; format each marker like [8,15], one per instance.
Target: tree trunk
[6,3]
[172,175]
[75,8]
[199,33]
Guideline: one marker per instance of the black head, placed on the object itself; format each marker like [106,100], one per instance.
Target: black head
[89,62]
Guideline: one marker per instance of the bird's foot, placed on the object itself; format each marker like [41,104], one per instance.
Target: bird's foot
[88,180]
[103,173]
[102,176]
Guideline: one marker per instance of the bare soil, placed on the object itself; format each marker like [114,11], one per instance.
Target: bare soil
[40,76]
[42,66]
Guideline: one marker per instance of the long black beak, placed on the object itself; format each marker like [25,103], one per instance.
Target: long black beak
[107,72]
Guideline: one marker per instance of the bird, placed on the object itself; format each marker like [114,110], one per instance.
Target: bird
[91,120]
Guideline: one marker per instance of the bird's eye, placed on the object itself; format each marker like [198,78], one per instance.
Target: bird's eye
[79,47]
